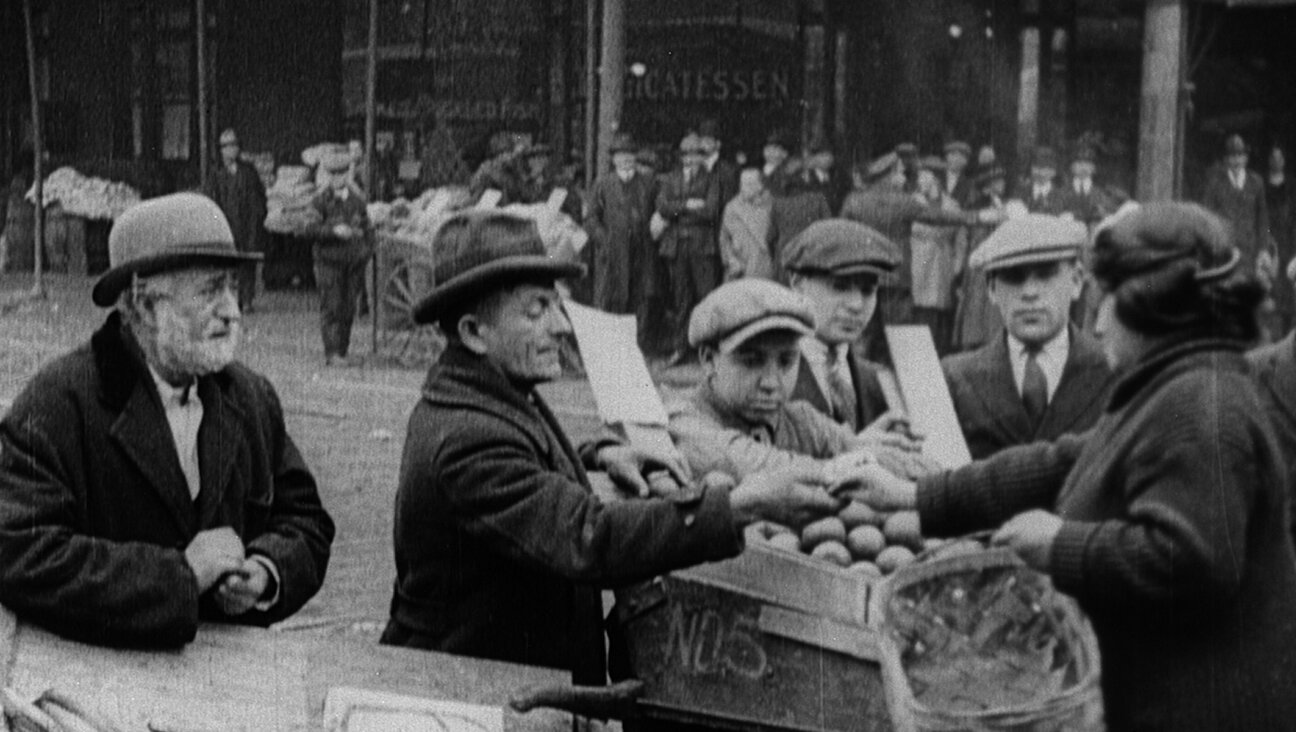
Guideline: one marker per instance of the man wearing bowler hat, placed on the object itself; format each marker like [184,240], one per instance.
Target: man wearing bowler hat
[146,479]
[620,206]
[501,547]
[1040,377]
[236,187]
[691,207]
[1237,194]
[341,253]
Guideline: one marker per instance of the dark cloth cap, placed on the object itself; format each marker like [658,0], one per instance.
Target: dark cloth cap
[477,249]
[820,145]
[623,142]
[992,173]
[165,234]
[881,167]
[738,310]
[780,138]
[1044,157]
[959,146]
[1084,153]
[933,163]
[691,144]
[906,150]
[708,128]
[1235,145]
[1030,239]
[840,247]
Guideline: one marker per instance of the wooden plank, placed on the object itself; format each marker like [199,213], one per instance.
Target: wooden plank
[234,678]
[926,394]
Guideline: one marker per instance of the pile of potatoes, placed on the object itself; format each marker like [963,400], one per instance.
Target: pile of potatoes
[864,540]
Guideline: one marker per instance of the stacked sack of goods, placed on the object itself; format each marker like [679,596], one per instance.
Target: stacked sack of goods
[89,198]
[288,201]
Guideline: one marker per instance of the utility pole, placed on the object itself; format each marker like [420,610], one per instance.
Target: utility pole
[371,122]
[612,79]
[1161,113]
[200,25]
[38,152]
[591,90]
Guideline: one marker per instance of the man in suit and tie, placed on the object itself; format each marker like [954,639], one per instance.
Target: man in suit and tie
[1087,201]
[1040,194]
[837,265]
[1238,196]
[1041,377]
[690,205]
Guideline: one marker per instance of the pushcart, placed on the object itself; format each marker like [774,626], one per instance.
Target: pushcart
[404,273]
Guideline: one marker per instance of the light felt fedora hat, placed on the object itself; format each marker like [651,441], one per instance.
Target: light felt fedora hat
[478,250]
[162,234]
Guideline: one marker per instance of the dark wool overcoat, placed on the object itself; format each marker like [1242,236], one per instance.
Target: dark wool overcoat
[1175,541]
[95,512]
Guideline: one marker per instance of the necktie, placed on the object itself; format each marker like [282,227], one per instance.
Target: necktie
[1034,388]
[841,393]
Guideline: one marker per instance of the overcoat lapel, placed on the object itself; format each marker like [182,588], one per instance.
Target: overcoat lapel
[222,444]
[1083,381]
[142,433]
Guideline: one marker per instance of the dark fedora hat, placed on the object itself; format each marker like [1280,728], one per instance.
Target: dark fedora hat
[163,234]
[481,248]
[622,142]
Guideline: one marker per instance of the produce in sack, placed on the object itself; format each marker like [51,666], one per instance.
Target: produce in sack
[857,513]
[893,558]
[902,528]
[288,201]
[868,569]
[80,195]
[786,542]
[983,642]
[865,541]
[832,551]
[815,533]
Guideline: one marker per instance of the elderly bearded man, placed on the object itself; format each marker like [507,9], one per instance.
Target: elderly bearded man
[501,547]
[146,480]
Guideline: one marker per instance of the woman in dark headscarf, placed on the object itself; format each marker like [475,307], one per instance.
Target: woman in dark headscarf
[1168,521]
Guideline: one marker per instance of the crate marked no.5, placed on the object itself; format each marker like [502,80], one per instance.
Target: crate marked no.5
[705,641]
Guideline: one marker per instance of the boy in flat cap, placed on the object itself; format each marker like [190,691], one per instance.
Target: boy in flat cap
[501,547]
[739,420]
[837,266]
[146,479]
[340,253]
[1040,377]
[691,207]
[1040,194]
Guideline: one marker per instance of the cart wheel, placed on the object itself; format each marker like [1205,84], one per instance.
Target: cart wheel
[400,335]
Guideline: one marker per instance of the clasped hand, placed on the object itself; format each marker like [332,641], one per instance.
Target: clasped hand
[218,559]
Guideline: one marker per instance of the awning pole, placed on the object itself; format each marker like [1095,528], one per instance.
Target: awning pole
[371,121]
[38,152]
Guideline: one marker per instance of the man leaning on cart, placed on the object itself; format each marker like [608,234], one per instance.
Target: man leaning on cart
[501,547]
[146,479]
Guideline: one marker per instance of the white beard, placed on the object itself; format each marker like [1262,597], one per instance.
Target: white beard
[182,355]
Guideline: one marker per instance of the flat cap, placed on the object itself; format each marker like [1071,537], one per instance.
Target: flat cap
[1029,239]
[990,174]
[1084,153]
[959,146]
[691,144]
[1044,157]
[840,247]
[881,166]
[736,311]
[1235,145]
[933,163]
[906,150]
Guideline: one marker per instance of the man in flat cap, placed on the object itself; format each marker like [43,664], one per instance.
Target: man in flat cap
[236,187]
[1086,200]
[885,206]
[740,419]
[1237,194]
[723,173]
[774,156]
[691,207]
[937,257]
[1040,193]
[1041,377]
[146,479]
[501,547]
[837,266]
[620,205]
[342,250]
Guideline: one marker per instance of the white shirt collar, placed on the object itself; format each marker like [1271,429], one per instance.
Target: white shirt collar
[1051,358]
[1040,190]
[625,177]
[184,415]
[171,394]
